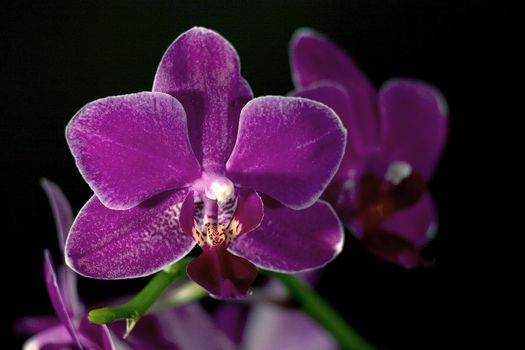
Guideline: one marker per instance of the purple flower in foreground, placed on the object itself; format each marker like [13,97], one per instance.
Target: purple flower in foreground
[396,136]
[70,329]
[193,162]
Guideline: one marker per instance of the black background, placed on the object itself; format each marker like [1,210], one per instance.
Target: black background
[58,55]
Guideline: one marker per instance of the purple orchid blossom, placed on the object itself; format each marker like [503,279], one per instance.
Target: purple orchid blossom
[199,161]
[182,327]
[396,136]
[70,329]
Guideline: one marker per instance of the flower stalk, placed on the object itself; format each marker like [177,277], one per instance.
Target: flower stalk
[137,307]
[315,306]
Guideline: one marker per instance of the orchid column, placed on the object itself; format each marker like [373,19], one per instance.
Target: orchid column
[198,161]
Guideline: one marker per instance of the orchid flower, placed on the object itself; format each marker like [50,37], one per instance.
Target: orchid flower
[396,136]
[198,161]
[70,329]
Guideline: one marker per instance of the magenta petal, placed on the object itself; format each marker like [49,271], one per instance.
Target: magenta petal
[414,123]
[274,327]
[288,148]
[67,281]
[230,318]
[315,58]
[56,299]
[416,224]
[98,335]
[53,338]
[250,210]
[62,212]
[202,70]
[293,240]
[221,273]
[114,244]
[131,147]
[30,325]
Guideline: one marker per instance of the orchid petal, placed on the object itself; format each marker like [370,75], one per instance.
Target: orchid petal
[249,212]
[129,148]
[30,325]
[292,240]
[115,244]
[316,58]
[221,273]
[202,70]
[417,224]
[57,336]
[414,123]
[57,300]
[98,335]
[284,329]
[288,148]
[62,212]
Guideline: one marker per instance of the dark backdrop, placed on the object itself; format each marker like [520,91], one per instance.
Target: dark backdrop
[58,55]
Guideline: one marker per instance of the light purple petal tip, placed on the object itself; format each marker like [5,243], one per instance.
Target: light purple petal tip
[274,327]
[202,70]
[288,148]
[293,240]
[57,337]
[115,244]
[56,298]
[62,212]
[131,147]
[414,123]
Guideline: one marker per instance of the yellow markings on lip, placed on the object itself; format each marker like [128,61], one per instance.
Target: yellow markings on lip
[216,234]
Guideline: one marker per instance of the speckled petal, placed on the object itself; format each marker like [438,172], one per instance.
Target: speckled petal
[292,240]
[288,148]
[315,58]
[414,123]
[202,70]
[57,300]
[129,148]
[115,244]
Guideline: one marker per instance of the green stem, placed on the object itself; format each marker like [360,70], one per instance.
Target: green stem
[315,306]
[137,307]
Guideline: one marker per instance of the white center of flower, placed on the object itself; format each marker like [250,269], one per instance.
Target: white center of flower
[220,190]
[398,171]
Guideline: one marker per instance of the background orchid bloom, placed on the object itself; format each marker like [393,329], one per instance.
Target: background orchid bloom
[198,161]
[396,136]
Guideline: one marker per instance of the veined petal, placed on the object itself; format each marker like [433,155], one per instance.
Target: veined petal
[62,212]
[57,300]
[131,147]
[202,70]
[221,273]
[292,240]
[115,244]
[288,148]
[316,58]
[274,327]
[414,123]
